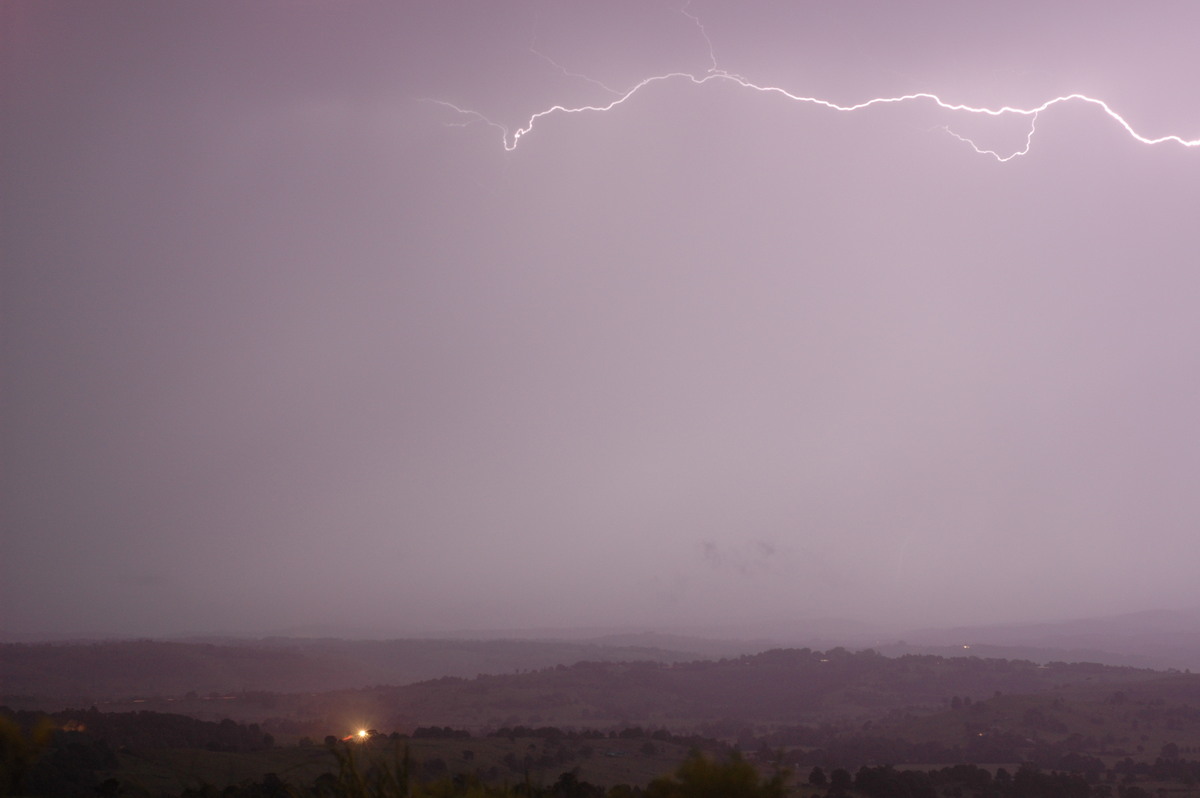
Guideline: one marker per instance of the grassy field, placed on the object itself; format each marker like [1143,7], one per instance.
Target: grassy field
[169,771]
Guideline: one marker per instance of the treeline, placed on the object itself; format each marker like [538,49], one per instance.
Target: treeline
[828,747]
[136,730]
[697,777]
[628,733]
[1164,768]
[777,686]
[703,777]
[53,762]
[74,753]
[1029,781]
[885,781]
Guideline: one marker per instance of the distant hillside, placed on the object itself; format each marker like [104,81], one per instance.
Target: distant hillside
[1158,639]
[105,671]
[626,722]
[777,688]
[781,686]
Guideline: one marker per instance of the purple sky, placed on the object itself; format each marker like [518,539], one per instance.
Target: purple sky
[285,343]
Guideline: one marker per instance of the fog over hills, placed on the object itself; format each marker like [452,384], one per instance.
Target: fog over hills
[1151,639]
[116,668]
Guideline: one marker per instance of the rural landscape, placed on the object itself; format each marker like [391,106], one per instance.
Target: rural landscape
[608,717]
[599,399]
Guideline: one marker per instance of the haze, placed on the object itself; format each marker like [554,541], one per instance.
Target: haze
[287,346]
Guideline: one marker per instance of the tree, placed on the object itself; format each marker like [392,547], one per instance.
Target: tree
[817,778]
[701,777]
[570,786]
[20,751]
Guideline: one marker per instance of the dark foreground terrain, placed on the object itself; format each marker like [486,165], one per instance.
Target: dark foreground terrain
[782,722]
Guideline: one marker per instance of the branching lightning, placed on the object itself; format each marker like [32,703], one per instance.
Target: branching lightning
[1002,158]
[511,138]
[566,73]
[712,53]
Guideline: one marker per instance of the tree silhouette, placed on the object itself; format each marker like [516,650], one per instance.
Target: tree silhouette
[701,777]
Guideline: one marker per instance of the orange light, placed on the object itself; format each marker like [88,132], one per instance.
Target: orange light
[362,734]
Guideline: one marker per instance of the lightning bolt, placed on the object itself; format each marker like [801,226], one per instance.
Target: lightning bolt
[712,53]
[566,73]
[1024,150]
[511,138]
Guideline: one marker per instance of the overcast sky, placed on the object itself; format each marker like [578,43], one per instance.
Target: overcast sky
[287,342]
